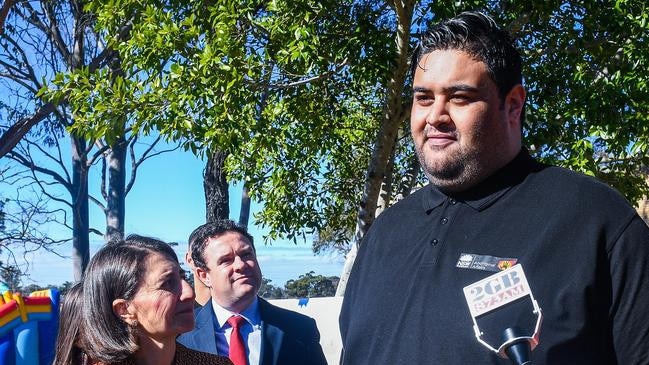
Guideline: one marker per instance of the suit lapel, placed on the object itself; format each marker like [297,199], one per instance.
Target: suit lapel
[204,336]
[272,337]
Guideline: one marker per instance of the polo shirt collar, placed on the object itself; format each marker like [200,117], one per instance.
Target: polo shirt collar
[491,189]
[433,198]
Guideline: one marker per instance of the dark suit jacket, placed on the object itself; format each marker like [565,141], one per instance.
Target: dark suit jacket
[288,338]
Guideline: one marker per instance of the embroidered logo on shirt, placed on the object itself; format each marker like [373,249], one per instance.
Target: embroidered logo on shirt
[484,262]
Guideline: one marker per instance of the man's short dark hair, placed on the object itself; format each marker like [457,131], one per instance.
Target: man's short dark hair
[198,239]
[480,37]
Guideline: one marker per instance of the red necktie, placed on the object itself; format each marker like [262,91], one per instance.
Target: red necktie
[237,347]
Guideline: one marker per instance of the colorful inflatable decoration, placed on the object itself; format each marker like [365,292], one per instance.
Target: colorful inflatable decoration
[28,327]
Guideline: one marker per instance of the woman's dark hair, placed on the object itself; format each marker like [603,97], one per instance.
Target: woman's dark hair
[115,272]
[69,350]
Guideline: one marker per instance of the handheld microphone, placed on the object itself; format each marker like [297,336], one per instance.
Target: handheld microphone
[494,292]
[517,347]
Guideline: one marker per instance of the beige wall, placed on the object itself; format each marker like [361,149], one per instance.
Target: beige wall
[325,312]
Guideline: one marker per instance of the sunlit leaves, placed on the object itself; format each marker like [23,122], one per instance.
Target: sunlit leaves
[294,90]
[587,81]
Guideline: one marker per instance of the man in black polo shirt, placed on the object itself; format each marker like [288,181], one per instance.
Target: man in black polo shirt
[583,248]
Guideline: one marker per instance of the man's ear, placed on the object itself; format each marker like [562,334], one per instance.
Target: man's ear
[514,102]
[121,309]
[203,277]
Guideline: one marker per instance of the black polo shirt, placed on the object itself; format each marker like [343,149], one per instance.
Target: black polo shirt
[584,250]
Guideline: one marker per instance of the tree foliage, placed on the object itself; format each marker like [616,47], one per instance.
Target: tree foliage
[10,276]
[40,42]
[260,81]
[587,80]
[270,291]
[310,99]
[310,285]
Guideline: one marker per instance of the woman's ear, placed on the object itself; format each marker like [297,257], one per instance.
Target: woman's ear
[121,309]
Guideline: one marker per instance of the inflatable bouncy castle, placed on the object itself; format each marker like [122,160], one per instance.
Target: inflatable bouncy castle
[28,327]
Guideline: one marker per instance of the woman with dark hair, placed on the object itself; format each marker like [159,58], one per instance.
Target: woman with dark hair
[135,303]
[69,350]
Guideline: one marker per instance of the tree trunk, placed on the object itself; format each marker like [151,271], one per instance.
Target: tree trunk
[217,206]
[116,204]
[244,215]
[643,204]
[387,187]
[80,222]
[409,179]
[215,184]
[385,140]
[643,209]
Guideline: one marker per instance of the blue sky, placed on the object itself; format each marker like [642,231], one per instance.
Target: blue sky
[167,202]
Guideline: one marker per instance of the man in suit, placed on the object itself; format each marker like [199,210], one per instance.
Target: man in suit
[201,291]
[236,322]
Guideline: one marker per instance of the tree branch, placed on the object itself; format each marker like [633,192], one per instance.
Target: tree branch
[18,80]
[102,148]
[17,131]
[4,12]
[145,156]
[55,34]
[305,81]
[104,193]
[96,201]
[29,73]
[29,163]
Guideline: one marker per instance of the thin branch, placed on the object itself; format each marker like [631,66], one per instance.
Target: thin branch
[102,149]
[96,231]
[17,131]
[29,163]
[131,149]
[145,156]
[55,34]
[13,70]
[104,194]
[313,79]
[58,160]
[96,201]
[25,60]
[63,166]
[47,194]
[19,81]
[32,17]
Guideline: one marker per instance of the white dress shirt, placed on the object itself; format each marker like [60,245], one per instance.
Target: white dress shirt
[250,330]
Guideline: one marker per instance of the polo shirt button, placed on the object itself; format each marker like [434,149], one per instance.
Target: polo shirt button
[444,220]
[434,241]
[453,201]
